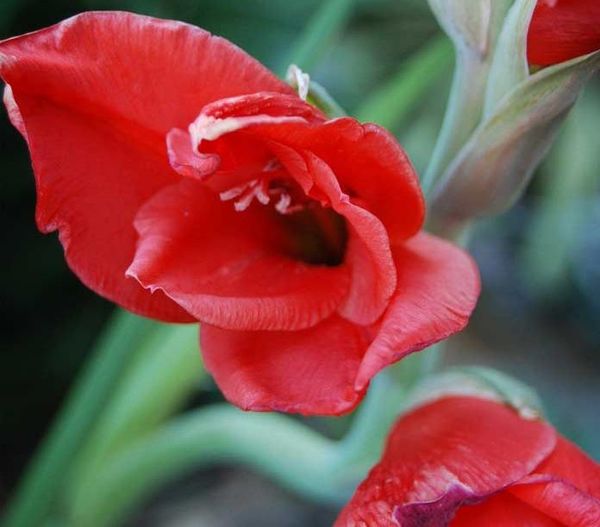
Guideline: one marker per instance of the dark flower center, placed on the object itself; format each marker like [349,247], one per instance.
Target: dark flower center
[318,235]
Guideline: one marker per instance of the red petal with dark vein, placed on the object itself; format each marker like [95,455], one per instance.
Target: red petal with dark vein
[566,487]
[438,286]
[96,95]
[452,452]
[230,268]
[308,372]
[563,29]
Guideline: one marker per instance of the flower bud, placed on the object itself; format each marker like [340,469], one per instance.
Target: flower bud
[494,166]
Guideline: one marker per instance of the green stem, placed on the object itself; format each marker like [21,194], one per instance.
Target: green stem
[320,97]
[385,400]
[329,19]
[36,494]
[393,102]
[166,370]
[463,113]
[362,445]
[278,446]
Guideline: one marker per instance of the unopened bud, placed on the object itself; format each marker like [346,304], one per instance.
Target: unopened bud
[471,24]
[494,166]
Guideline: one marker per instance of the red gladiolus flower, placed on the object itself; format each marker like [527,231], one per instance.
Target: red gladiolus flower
[188,183]
[470,462]
[563,29]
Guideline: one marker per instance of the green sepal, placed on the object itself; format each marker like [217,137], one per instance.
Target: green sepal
[494,166]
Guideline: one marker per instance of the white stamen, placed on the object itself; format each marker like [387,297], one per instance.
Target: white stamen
[284,202]
[233,193]
[244,202]
[262,192]
[298,80]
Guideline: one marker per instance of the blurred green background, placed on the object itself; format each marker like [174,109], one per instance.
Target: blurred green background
[538,319]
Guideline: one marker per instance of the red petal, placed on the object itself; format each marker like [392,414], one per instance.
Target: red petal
[89,187]
[263,104]
[369,164]
[560,500]
[96,95]
[309,371]
[368,252]
[502,510]
[368,255]
[569,462]
[438,286]
[453,451]
[185,161]
[566,487]
[212,141]
[228,268]
[563,29]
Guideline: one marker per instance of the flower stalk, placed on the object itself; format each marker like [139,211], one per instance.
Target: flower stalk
[474,33]
[289,452]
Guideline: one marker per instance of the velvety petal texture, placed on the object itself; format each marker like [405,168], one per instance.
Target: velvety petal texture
[313,372]
[563,29]
[96,95]
[467,462]
[224,267]
[437,289]
[188,183]
[428,307]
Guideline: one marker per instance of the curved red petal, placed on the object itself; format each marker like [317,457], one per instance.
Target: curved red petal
[571,463]
[563,29]
[566,487]
[158,74]
[228,268]
[368,163]
[310,371]
[89,187]
[96,95]
[438,286]
[271,104]
[368,255]
[560,500]
[454,451]
[502,510]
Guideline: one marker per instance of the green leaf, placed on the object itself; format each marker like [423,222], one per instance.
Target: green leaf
[320,97]
[167,369]
[394,101]
[321,29]
[495,165]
